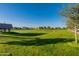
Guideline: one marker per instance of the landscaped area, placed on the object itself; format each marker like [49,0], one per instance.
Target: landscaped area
[38,43]
[39,29]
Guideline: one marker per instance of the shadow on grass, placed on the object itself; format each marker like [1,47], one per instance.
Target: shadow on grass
[39,42]
[13,37]
[23,34]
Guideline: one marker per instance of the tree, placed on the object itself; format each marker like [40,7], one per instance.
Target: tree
[48,27]
[72,13]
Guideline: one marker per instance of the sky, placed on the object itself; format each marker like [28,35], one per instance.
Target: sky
[32,14]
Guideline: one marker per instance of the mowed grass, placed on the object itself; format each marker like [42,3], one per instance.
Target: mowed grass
[38,43]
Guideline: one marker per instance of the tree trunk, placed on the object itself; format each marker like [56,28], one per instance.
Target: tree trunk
[76,39]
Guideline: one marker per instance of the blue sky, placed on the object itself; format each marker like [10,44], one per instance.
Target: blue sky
[32,14]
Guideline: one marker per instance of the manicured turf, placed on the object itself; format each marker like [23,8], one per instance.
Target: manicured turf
[38,43]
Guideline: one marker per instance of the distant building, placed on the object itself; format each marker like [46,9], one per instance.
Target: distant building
[5,27]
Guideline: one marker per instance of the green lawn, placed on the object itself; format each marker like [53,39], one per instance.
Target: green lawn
[38,43]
